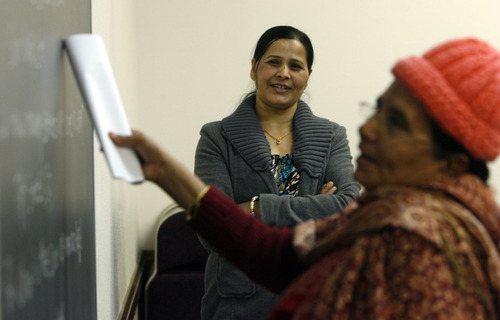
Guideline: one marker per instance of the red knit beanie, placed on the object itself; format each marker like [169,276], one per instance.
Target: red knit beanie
[458,83]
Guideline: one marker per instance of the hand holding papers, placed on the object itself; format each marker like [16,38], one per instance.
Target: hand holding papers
[99,90]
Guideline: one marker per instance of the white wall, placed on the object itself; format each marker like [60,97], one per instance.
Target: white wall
[182,63]
[116,205]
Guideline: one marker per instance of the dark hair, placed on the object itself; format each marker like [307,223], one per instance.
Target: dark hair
[283,32]
[445,145]
[277,33]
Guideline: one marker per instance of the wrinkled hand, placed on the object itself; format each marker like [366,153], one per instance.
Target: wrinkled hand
[163,169]
[152,158]
[328,188]
[304,237]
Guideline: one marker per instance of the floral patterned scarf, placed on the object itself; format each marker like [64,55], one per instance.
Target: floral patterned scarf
[428,252]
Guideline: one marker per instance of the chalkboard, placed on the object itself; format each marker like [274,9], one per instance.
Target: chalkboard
[47,239]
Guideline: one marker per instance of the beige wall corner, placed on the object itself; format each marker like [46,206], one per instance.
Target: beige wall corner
[116,207]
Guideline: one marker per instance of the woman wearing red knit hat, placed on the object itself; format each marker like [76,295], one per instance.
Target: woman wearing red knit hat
[422,242]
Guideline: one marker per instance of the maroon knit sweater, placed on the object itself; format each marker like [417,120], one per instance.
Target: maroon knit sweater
[264,253]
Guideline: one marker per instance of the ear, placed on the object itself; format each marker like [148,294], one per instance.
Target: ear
[307,83]
[458,164]
[252,71]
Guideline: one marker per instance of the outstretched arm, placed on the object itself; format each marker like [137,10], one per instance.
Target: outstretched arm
[161,168]
[266,254]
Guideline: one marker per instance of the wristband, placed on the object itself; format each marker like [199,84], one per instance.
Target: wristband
[191,212]
[252,205]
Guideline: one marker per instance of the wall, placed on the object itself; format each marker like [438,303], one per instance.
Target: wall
[194,60]
[116,207]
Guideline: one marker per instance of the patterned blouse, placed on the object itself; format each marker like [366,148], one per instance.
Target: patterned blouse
[285,174]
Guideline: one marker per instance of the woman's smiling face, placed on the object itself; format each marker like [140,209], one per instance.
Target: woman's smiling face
[281,75]
[396,143]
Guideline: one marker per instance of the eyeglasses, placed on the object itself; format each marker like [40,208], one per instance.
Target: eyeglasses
[392,120]
[367,109]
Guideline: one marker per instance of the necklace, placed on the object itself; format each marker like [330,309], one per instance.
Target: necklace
[278,140]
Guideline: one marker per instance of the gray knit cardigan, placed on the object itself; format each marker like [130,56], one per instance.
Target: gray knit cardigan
[234,155]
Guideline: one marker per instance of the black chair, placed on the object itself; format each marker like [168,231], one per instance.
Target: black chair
[175,289]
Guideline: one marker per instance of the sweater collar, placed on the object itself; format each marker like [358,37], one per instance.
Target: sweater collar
[312,137]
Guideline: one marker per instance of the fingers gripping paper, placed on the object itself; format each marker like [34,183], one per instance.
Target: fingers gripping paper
[97,84]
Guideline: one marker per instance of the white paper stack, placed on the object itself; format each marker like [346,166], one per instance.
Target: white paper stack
[97,84]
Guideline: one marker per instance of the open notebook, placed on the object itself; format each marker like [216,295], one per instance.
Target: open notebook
[95,78]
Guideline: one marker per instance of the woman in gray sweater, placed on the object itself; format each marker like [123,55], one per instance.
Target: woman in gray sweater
[283,164]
